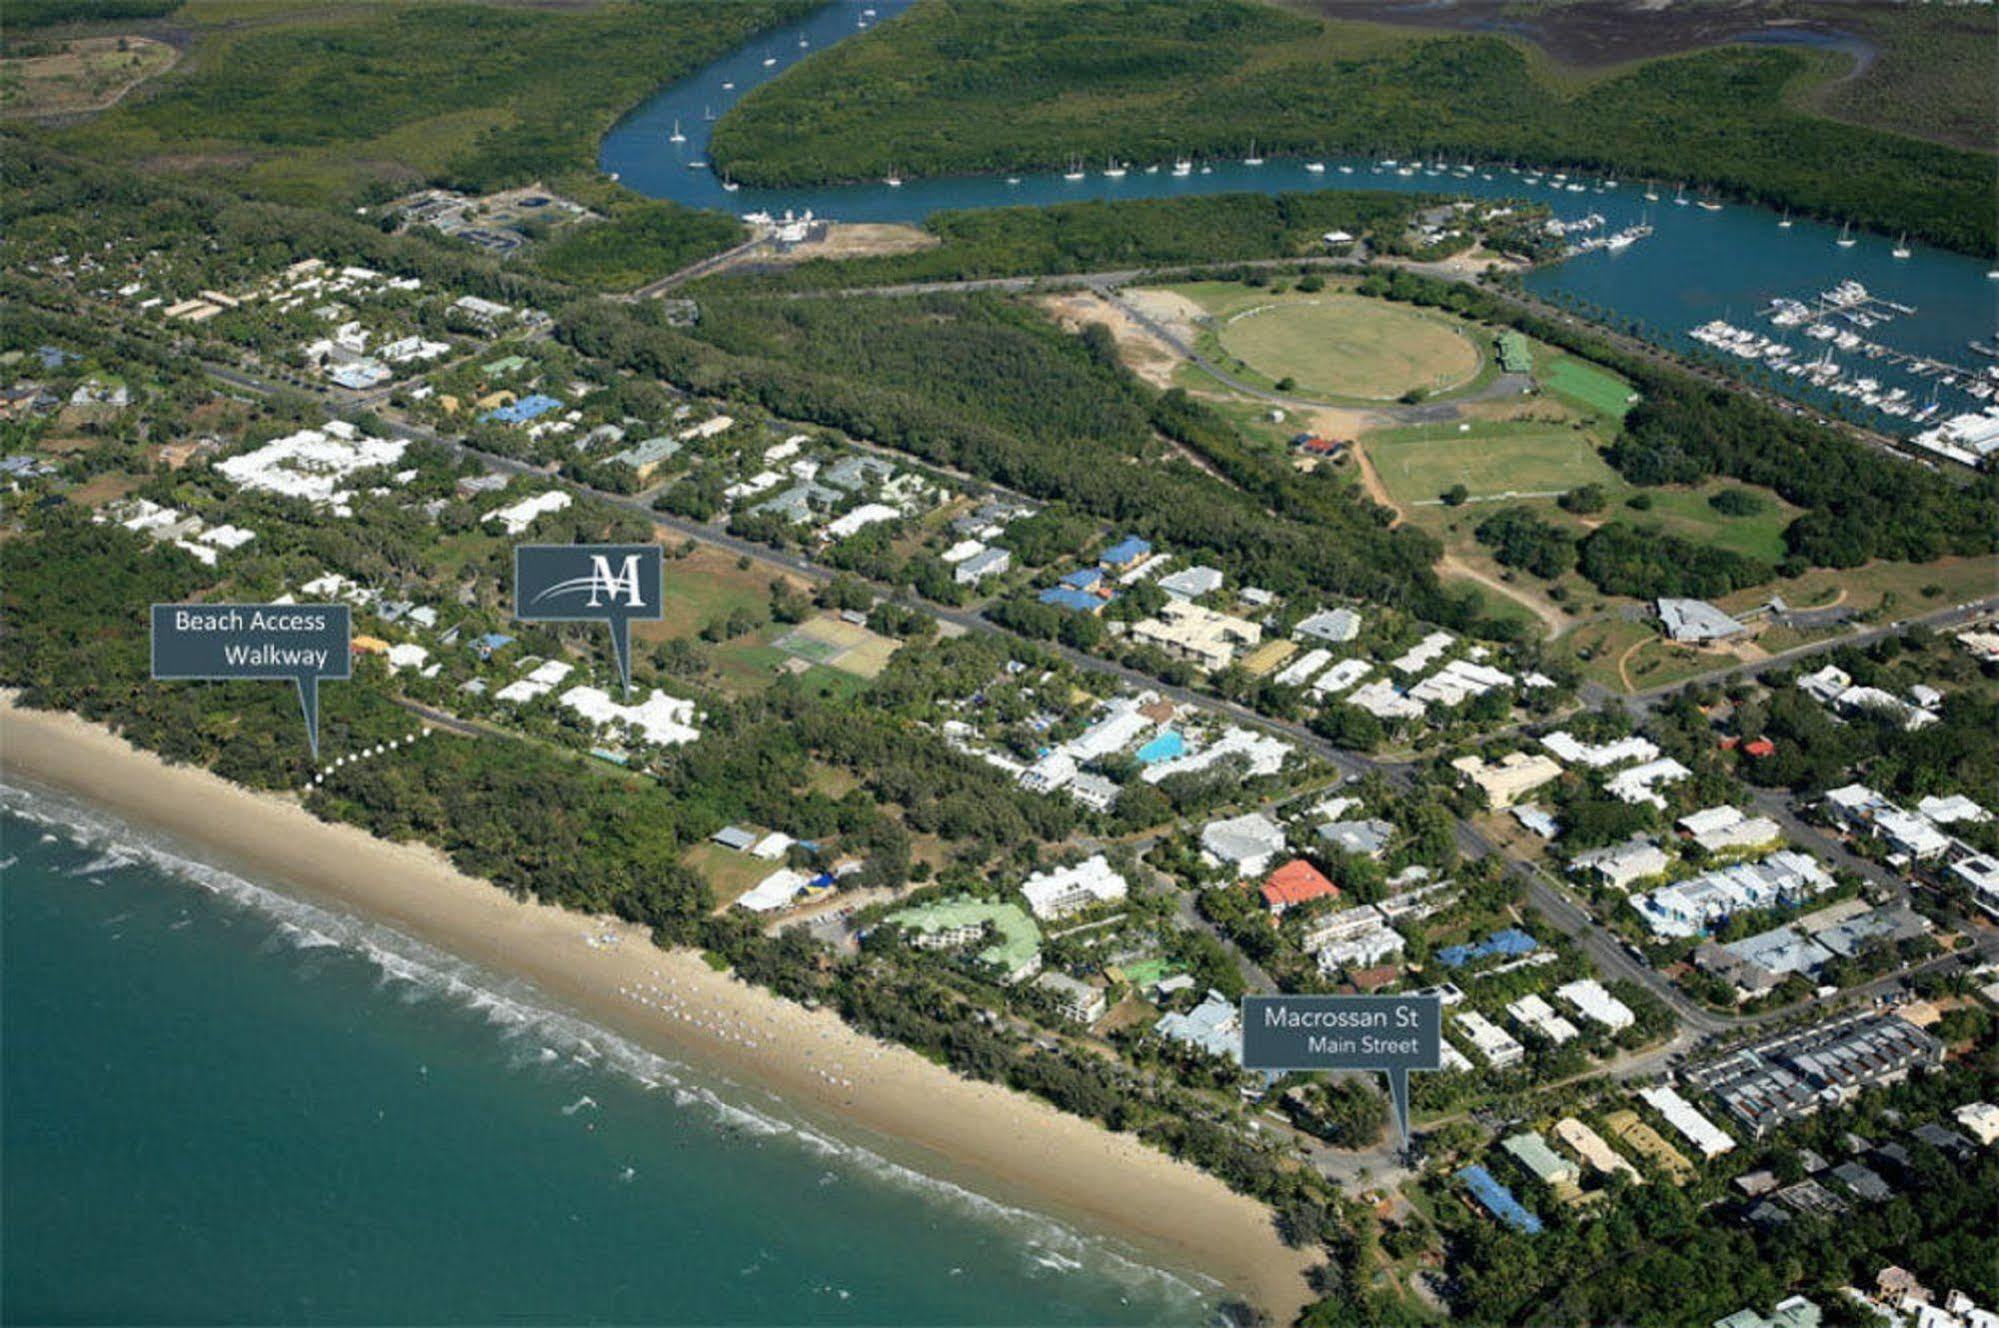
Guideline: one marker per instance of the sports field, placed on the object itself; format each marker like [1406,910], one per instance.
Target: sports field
[1418,464]
[837,644]
[1349,346]
[1588,385]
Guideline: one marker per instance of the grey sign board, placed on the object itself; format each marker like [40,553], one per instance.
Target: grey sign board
[1395,1034]
[218,642]
[609,583]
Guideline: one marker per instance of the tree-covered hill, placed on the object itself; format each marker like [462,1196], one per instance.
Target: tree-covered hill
[957,85]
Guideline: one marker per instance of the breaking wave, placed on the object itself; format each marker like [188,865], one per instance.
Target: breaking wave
[551,1040]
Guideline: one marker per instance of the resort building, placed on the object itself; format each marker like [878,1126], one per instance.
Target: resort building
[1532,1152]
[1247,843]
[1352,939]
[1014,957]
[1790,1076]
[1198,635]
[1727,830]
[1620,866]
[1061,891]
[1695,621]
[1495,1044]
[1532,1012]
[1707,1137]
[1336,626]
[1687,908]
[1589,996]
[1077,1000]
[1590,1147]
[1214,1026]
[1296,882]
[1507,780]
[1568,748]
[1497,1200]
[1641,783]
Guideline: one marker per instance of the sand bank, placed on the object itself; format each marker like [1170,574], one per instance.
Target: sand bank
[1003,1144]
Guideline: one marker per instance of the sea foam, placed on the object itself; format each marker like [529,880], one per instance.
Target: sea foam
[555,1041]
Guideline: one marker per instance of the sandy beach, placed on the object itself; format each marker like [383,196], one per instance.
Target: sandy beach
[1002,1144]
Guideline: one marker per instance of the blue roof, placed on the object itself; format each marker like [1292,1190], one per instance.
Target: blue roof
[1128,549]
[1456,956]
[1510,941]
[1084,579]
[1063,597]
[1498,1200]
[493,641]
[527,408]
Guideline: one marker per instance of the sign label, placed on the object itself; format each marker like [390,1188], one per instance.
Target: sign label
[1395,1034]
[610,583]
[221,642]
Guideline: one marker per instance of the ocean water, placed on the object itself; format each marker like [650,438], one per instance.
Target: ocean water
[218,1104]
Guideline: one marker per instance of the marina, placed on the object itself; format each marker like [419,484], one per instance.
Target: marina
[1662,269]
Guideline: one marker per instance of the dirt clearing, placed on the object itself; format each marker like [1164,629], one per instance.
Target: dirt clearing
[1144,354]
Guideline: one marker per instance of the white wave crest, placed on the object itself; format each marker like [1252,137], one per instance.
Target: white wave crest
[559,1042]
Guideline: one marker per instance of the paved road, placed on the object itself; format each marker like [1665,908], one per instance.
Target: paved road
[1953,615]
[1543,891]
[1634,346]
[1779,806]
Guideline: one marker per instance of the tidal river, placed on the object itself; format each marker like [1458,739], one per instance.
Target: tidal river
[1697,266]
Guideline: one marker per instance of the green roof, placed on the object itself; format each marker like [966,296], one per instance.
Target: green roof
[505,364]
[1534,1154]
[1145,972]
[1019,939]
[1514,357]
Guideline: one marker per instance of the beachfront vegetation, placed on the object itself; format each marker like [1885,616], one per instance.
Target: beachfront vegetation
[959,85]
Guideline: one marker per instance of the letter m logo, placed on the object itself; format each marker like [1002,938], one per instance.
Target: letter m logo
[615,585]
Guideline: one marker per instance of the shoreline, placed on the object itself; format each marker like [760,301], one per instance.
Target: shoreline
[997,1142]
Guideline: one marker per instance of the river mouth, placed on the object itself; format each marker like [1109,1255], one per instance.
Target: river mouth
[1704,261]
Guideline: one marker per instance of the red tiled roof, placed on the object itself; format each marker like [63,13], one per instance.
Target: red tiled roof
[1760,747]
[1295,882]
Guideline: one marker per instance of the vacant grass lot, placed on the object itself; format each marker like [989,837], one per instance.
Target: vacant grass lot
[704,587]
[1419,463]
[83,75]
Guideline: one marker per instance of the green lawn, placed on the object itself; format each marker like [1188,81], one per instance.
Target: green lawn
[1589,386]
[703,587]
[1350,346]
[1335,345]
[1491,460]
